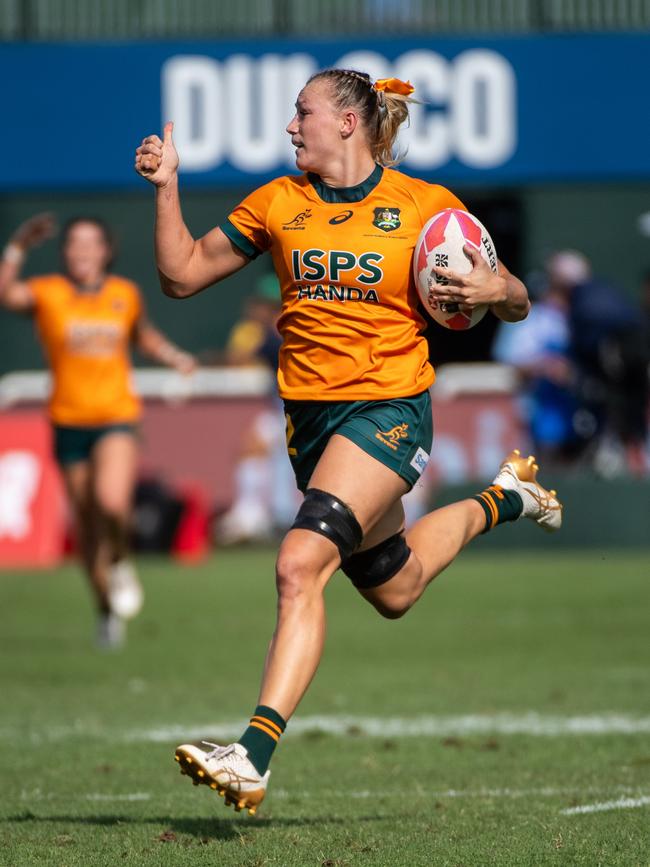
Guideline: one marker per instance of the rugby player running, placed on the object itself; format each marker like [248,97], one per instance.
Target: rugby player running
[354,375]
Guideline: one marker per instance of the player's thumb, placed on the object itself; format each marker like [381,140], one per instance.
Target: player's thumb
[167,132]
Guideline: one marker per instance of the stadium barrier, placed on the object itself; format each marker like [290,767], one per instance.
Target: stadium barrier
[192,431]
[32,505]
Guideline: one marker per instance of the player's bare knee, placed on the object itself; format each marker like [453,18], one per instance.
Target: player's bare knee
[295,574]
[302,569]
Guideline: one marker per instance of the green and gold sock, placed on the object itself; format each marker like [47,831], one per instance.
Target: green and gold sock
[262,736]
[499,505]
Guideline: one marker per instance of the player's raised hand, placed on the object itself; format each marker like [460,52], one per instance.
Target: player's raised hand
[156,159]
[35,231]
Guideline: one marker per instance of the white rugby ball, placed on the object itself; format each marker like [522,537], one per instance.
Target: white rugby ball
[440,244]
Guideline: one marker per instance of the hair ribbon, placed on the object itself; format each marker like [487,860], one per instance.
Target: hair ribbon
[393,85]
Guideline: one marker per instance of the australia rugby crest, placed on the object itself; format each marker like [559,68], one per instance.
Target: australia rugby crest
[387,219]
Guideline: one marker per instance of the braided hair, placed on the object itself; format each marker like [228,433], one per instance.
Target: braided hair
[381,112]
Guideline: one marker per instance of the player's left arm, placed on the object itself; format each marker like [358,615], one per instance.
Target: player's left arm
[516,304]
[505,294]
[154,345]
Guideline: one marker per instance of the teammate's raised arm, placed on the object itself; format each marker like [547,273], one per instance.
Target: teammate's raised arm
[185,266]
[156,346]
[14,293]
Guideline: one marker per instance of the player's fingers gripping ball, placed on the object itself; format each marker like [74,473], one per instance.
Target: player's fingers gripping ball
[441,245]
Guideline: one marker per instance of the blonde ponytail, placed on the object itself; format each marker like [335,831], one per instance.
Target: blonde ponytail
[392,111]
[381,108]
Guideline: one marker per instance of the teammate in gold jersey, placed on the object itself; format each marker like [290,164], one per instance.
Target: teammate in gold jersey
[87,318]
[354,375]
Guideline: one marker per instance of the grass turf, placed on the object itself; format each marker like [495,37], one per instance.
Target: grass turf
[86,738]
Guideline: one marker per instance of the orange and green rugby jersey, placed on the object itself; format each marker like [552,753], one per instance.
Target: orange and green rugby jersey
[86,337]
[349,322]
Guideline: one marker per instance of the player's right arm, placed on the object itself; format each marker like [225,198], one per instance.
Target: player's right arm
[185,266]
[16,294]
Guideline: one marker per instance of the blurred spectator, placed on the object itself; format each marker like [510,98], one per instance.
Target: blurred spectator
[609,348]
[583,358]
[539,349]
[255,338]
[265,493]
[645,311]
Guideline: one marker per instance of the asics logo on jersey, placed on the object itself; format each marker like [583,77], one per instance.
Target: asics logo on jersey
[392,437]
[340,218]
[298,220]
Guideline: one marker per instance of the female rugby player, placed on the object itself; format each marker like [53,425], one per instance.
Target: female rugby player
[86,319]
[354,375]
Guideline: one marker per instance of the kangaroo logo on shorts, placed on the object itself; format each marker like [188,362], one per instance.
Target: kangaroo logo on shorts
[392,437]
[387,219]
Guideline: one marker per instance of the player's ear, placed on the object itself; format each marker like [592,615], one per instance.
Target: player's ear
[348,124]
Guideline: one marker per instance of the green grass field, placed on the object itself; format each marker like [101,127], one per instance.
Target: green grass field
[504,721]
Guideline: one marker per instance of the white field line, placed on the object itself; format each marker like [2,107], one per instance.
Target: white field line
[422,726]
[624,802]
[529,723]
[38,794]
[621,804]
[501,793]
[131,796]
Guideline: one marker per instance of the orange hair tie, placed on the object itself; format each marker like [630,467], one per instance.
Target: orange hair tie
[394,85]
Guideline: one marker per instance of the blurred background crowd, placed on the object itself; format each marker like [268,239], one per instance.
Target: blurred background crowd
[519,116]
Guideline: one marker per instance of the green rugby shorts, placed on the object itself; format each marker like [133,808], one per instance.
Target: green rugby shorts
[72,444]
[396,432]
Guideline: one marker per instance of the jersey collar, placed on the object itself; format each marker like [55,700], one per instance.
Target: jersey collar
[346,195]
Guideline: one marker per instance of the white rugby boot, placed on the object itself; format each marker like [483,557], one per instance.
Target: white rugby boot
[125,593]
[520,474]
[227,770]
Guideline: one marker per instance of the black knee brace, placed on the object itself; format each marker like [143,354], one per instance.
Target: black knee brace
[326,514]
[377,565]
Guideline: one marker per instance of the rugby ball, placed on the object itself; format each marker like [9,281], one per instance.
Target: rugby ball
[440,244]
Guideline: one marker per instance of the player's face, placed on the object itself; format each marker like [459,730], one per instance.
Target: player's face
[315,129]
[86,253]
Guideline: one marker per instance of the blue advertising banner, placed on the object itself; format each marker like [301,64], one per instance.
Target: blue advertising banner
[498,111]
